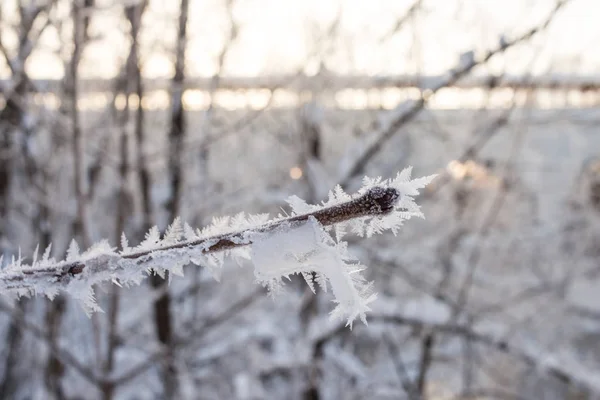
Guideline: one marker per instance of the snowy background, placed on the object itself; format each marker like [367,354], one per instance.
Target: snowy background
[115,119]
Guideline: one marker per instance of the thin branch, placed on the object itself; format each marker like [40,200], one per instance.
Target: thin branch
[564,372]
[196,335]
[64,355]
[399,24]
[453,76]
[377,201]
[425,361]
[395,355]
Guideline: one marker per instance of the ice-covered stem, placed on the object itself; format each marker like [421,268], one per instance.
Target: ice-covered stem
[375,201]
[308,240]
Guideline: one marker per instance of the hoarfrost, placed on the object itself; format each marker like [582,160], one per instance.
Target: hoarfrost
[298,244]
[307,248]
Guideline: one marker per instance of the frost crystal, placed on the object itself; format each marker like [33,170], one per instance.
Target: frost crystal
[309,248]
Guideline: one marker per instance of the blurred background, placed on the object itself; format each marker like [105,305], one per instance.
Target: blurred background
[120,115]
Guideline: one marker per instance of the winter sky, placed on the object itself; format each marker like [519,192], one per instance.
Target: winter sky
[278,36]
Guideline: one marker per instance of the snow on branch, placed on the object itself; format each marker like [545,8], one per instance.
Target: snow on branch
[300,243]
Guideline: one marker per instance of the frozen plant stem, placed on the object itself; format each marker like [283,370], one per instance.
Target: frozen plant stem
[377,201]
[308,240]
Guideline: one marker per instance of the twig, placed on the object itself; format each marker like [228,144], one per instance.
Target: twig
[409,387]
[64,355]
[376,201]
[563,373]
[454,75]
[196,335]
[427,345]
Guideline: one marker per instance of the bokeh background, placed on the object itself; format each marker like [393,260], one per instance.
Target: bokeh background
[120,115]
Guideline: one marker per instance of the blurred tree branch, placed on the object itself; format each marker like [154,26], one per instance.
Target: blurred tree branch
[404,115]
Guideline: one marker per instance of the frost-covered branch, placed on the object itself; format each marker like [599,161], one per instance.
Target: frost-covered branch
[300,243]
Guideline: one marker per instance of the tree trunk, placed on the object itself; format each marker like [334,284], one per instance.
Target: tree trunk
[162,307]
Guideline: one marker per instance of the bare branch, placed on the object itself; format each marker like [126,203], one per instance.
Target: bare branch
[64,355]
[415,108]
[543,363]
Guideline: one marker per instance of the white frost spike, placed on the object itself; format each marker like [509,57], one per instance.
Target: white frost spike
[340,230]
[46,256]
[322,282]
[124,243]
[405,175]
[174,232]
[176,270]
[51,293]
[188,232]
[73,251]
[309,281]
[407,187]
[35,256]
[159,271]
[220,225]
[239,221]
[150,240]
[215,271]
[298,205]
[258,219]
[101,247]
[306,248]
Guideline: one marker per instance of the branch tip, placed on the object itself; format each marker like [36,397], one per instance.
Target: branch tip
[384,198]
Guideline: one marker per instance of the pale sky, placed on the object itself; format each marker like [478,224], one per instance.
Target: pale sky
[276,36]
